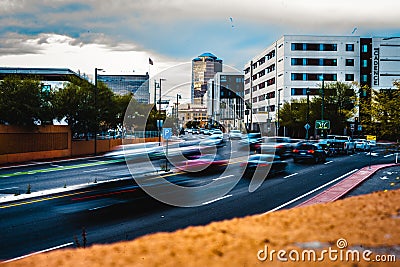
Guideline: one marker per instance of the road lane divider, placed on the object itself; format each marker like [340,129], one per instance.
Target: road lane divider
[328,162]
[217,199]
[223,177]
[290,175]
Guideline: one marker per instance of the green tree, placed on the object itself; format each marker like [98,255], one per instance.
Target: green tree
[23,103]
[384,111]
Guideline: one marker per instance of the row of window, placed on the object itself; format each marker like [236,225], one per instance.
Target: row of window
[314,61]
[314,76]
[265,109]
[266,70]
[313,47]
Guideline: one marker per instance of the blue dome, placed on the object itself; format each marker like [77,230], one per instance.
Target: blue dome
[208,55]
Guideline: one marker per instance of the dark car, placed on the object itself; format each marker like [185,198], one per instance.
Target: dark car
[310,152]
[281,146]
[264,163]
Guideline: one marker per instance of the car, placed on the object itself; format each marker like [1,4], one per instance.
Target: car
[207,162]
[235,134]
[206,131]
[309,152]
[362,144]
[252,141]
[213,141]
[281,146]
[266,164]
[217,133]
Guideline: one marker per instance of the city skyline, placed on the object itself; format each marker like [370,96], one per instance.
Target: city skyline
[120,37]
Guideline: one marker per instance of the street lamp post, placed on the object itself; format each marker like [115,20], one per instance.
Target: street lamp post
[308,113]
[322,104]
[277,121]
[159,111]
[95,109]
[178,96]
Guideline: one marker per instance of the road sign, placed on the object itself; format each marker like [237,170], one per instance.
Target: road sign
[322,124]
[307,126]
[167,133]
[160,123]
[371,137]
[359,128]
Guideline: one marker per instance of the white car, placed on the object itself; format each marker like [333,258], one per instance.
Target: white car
[362,144]
[217,133]
[235,134]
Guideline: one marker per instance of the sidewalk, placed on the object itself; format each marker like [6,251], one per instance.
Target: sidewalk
[343,187]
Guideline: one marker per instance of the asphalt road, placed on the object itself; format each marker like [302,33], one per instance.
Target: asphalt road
[120,210]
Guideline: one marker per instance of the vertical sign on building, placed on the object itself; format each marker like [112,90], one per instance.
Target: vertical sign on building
[375,65]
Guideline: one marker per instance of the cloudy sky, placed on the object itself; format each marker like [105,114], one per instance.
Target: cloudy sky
[120,35]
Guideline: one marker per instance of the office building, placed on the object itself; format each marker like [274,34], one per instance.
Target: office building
[225,103]
[204,68]
[124,84]
[294,63]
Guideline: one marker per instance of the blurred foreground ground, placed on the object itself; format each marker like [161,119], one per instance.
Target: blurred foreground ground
[359,224]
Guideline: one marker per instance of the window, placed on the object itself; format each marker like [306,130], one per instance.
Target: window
[261,97]
[254,99]
[261,73]
[297,61]
[329,47]
[262,109]
[247,91]
[297,77]
[329,62]
[349,47]
[261,85]
[364,48]
[349,62]
[271,81]
[364,78]
[297,46]
[364,63]
[349,77]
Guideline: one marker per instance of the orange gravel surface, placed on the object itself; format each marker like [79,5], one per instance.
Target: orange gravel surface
[366,225]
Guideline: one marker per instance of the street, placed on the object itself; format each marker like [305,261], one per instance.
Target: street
[120,210]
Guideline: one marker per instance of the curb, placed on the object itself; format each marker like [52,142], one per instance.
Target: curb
[346,185]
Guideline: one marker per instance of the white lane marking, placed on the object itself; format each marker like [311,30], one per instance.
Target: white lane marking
[97,170]
[224,177]
[38,252]
[290,175]
[310,192]
[217,199]
[329,162]
[8,188]
[99,207]
[55,165]
[388,155]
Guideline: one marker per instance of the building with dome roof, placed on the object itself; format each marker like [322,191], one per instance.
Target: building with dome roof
[204,67]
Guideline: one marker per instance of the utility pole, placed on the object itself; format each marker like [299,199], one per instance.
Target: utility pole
[278,117]
[159,112]
[308,112]
[322,104]
[95,109]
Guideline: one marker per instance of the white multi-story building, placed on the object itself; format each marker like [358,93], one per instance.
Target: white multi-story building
[294,63]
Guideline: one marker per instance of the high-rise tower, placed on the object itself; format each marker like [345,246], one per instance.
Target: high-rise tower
[204,67]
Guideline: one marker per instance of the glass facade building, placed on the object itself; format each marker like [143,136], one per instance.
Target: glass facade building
[124,84]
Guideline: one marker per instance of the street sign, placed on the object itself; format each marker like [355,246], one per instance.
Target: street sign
[160,123]
[167,133]
[359,128]
[307,126]
[322,124]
